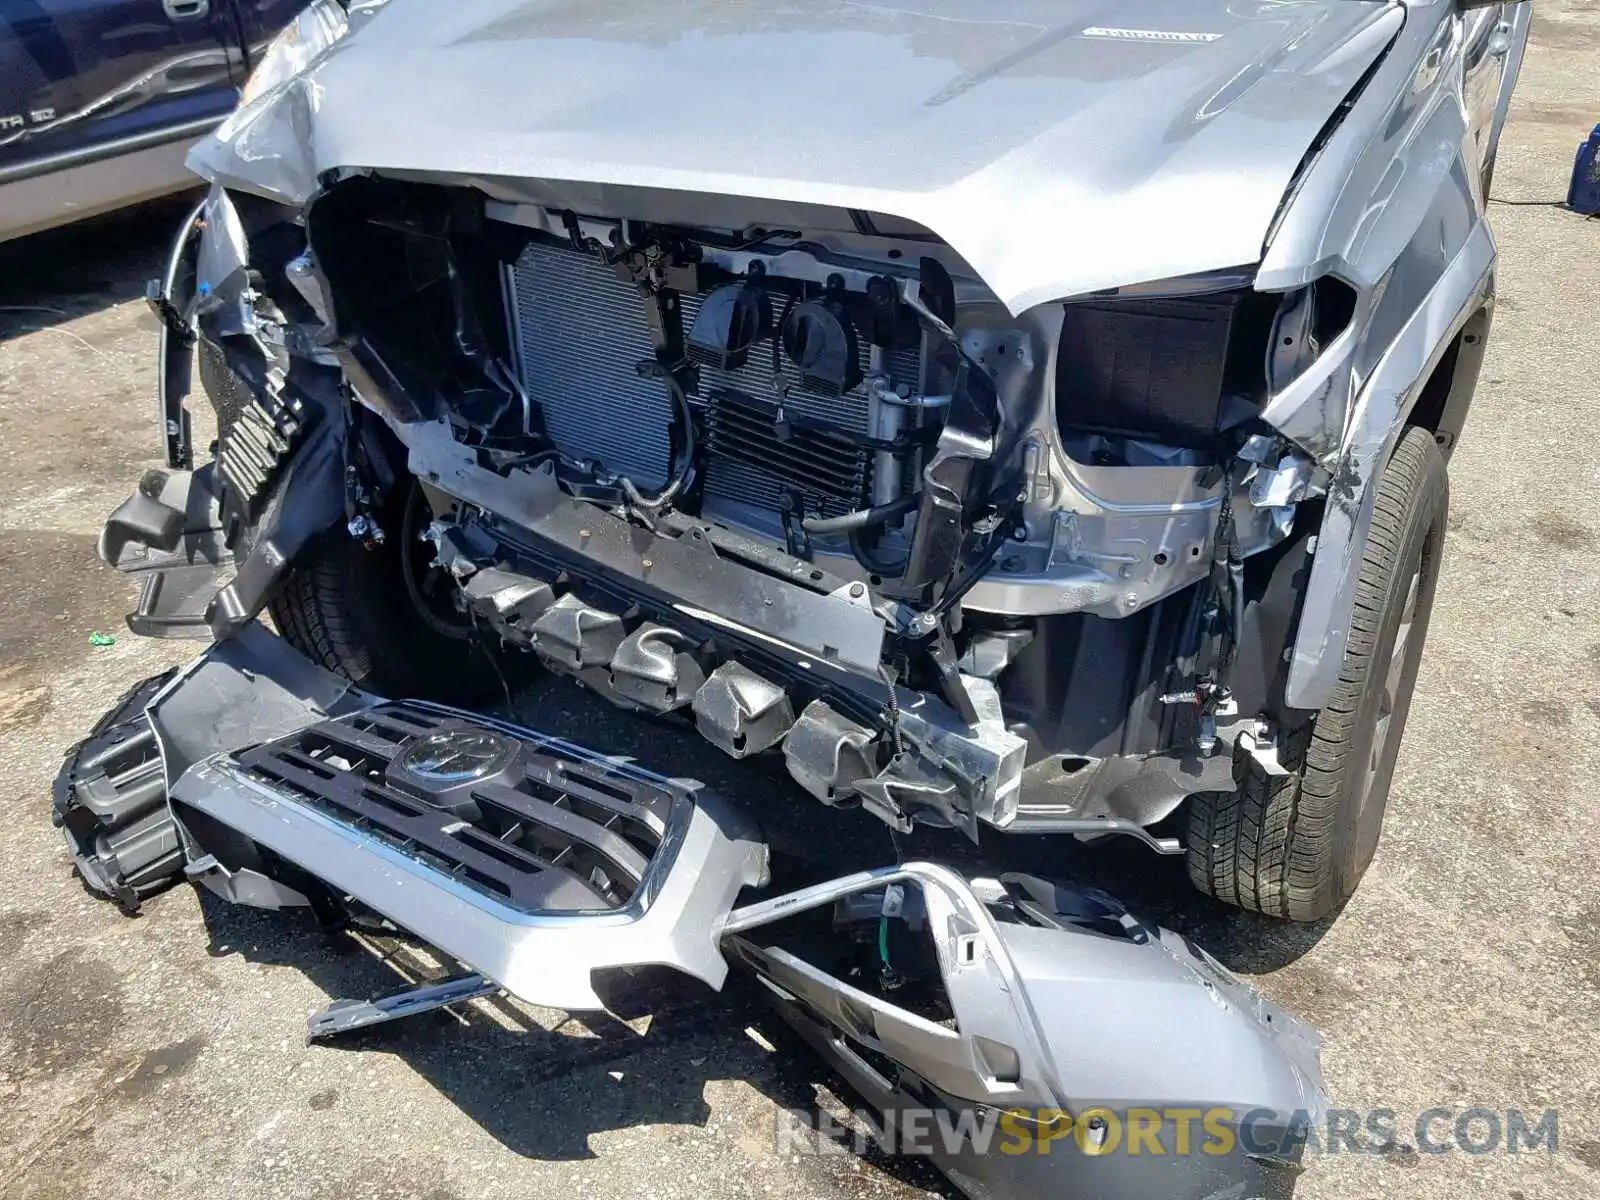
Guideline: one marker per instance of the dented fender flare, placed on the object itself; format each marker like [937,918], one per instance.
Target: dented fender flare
[1381,415]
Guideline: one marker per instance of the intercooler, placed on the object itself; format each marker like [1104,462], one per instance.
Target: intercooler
[581,336]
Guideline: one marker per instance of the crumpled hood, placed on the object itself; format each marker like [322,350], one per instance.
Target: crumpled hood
[1060,146]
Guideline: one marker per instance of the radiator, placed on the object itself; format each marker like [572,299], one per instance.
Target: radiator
[580,334]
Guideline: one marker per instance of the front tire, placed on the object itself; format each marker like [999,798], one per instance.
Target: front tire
[1296,846]
[383,616]
[379,614]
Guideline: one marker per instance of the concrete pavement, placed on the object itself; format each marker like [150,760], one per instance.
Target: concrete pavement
[163,1055]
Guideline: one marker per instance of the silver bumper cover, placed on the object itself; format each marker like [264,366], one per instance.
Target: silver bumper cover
[709,853]
[1063,1006]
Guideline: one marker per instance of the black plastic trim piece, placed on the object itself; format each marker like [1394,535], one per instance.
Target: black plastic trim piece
[110,802]
[541,832]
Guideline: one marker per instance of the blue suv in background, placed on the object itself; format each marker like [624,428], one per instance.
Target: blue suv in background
[101,99]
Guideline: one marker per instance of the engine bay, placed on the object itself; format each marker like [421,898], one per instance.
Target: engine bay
[805,401]
[802,479]
[794,391]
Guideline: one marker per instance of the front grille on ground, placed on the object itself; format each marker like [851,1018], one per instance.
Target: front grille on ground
[545,831]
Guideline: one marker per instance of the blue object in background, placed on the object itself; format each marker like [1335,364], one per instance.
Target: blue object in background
[1584,194]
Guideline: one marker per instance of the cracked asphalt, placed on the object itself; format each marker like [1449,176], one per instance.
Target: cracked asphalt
[164,1055]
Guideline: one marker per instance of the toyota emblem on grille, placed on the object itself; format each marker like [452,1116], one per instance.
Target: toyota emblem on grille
[453,756]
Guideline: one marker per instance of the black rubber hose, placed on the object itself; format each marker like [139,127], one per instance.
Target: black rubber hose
[680,477]
[867,556]
[861,518]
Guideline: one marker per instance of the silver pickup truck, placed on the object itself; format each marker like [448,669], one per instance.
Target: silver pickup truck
[1024,418]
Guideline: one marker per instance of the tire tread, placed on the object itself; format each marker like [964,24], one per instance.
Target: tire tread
[1273,845]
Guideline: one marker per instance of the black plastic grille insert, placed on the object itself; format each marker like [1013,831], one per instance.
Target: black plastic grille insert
[558,833]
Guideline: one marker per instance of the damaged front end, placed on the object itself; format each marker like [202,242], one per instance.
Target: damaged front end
[795,475]
[781,488]
[970,541]
[978,521]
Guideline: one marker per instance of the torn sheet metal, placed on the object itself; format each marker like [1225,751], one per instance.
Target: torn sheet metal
[1069,1015]
[1375,428]
[955,117]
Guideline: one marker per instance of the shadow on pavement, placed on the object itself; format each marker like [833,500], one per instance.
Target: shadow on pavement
[543,1092]
[65,273]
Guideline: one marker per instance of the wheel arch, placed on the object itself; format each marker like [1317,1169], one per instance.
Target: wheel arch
[1444,400]
[1425,377]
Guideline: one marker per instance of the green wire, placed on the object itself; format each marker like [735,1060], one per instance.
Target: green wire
[883,942]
